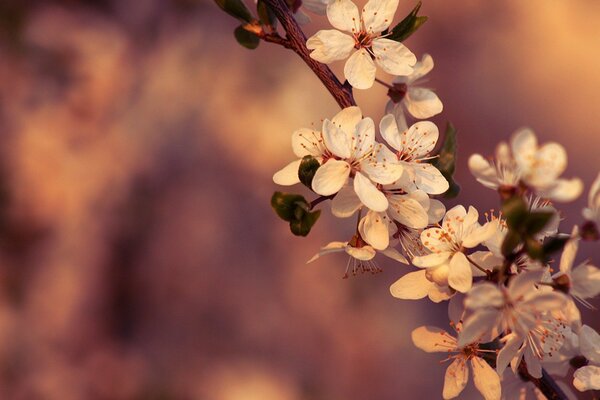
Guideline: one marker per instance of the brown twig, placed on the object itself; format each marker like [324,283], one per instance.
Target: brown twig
[296,40]
[546,384]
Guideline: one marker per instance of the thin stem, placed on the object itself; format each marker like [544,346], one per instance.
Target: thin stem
[342,93]
[546,384]
[320,199]
[387,85]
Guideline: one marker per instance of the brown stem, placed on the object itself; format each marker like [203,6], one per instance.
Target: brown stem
[545,384]
[320,199]
[295,40]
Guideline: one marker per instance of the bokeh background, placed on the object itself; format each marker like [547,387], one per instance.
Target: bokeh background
[139,256]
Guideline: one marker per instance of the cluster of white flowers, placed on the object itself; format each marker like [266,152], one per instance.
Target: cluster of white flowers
[509,306]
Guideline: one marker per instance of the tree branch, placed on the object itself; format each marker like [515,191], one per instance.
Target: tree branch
[545,384]
[296,40]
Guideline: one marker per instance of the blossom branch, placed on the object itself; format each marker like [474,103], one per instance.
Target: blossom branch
[296,40]
[545,384]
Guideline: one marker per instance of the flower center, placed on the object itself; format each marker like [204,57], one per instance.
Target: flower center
[362,39]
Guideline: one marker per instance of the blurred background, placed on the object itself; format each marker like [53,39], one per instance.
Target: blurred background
[139,256]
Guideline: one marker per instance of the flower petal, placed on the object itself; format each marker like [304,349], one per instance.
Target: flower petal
[347,119]
[373,228]
[563,190]
[585,282]
[420,139]
[364,253]
[360,69]
[336,140]
[483,171]
[394,255]
[420,69]
[288,175]
[476,325]
[511,346]
[316,6]
[412,286]
[407,211]
[422,103]
[429,179]
[332,247]
[345,203]
[389,130]
[307,142]
[431,260]
[368,194]
[378,14]
[481,234]
[329,45]
[393,57]
[486,379]
[364,138]
[330,177]
[456,378]
[589,343]
[433,340]
[343,15]
[460,276]
[587,378]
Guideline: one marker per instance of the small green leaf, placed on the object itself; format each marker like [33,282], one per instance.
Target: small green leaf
[285,205]
[554,244]
[266,16]
[536,221]
[515,211]
[303,226]
[236,8]
[307,170]
[446,161]
[511,241]
[535,250]
[409,25]
[247,39]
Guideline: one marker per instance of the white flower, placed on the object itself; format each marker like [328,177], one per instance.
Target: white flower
[361,255]
[592,211]
[487,381]
[448,262]
[538,168]
[520,309]
[412,148]
[407,93]
[318,7]
[365,36]
[588,376]
[416,285]
[581,282]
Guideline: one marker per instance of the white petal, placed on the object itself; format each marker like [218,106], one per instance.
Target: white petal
[430,179]
[486,379]
[373,228]
[431,260]
[407,211]
[364,138]
[440,293]
[336,140]
[438,275]
[508,351]
[423,103]
[551,161]
[436,211]
[460,276]
[330,177]
[436,239]
[368,194]
[360,70]
[563,190]
[394,255]
[316,6]
[589,343]
[585,281]
[307,142]
[483,171]
[412,286]
[546,301]
[345,203]
[393,57]
[476,325]
[420,139]
[364,253]
[486,260]
[288,175]
[524,146]
[523,283]
[481,234]
[456,378]
[329,45]
[389,131]
[484,294]
[332,247]
[347,119]
[587,378]
[569,252]
[420,69]
[343,15]
[301,17]
[594,195]
[378,14]
[433,340]
[534,367]
[381,166]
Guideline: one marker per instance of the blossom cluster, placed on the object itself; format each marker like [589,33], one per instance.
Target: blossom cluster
[514,310]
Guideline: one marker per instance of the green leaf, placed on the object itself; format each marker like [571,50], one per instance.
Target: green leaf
[510,243]
[554,244]
[409,25]
[446,161]
[285,205]
[536,221]
[535,250]
[247,39]
[515,211]
[307,170]
[303,226]
[265,15]
[236,8]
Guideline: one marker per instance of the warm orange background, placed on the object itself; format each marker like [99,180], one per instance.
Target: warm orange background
[139,256]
